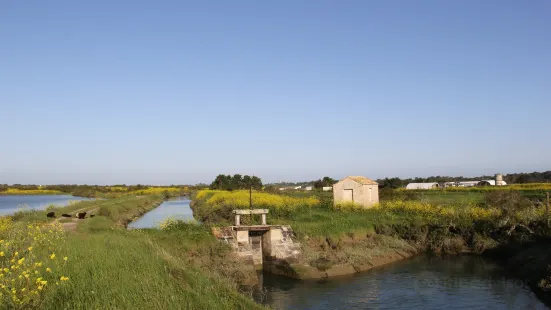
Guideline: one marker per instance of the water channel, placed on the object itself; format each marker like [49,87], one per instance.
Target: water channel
[175,208]
[13,203]
[422,282]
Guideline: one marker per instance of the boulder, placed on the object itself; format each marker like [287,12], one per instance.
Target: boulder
[66,215]
[81,215]
[50,214]
[92,215]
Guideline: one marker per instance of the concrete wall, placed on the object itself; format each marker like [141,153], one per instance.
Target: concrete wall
[348,190]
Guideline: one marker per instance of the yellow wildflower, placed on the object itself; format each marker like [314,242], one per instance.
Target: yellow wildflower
[2,254]
[16,254]
[30,248]
[20,262]
[63,278]
[65,258]
[48,270]
[52,256]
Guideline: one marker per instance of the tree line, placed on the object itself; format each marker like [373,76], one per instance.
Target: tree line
[235,182]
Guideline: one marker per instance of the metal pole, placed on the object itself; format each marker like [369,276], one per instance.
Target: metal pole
[251,201]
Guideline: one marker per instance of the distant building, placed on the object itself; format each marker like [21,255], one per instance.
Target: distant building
[467,183]
[298,187]
[327,188]
[499,180]
[450,184]
[356,189]
[486,183]
[308,188]
[422,185]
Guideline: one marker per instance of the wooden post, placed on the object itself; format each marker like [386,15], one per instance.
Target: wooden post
[547,209]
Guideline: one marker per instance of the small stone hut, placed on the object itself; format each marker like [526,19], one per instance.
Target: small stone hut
[356,189]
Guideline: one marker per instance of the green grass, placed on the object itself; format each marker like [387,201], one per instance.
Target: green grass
[116,269]
[317,222]
[452,198]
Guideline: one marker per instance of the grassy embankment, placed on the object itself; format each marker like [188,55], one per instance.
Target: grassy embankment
[15,191]
[99,191]
[108,267]
[403,222]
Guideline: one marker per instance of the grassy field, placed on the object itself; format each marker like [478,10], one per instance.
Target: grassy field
[107,267]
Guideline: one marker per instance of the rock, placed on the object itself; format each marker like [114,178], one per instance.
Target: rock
[81,215]
[66,215]
[92,215]
[50,214]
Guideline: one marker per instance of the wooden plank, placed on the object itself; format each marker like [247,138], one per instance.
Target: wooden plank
[253,211]
[256,227]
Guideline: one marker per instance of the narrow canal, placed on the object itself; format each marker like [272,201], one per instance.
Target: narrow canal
[423,282]
[175,208]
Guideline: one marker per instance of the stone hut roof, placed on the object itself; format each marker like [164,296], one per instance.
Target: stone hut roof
[362,180]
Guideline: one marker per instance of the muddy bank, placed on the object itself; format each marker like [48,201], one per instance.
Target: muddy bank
[304,271]
[349,254]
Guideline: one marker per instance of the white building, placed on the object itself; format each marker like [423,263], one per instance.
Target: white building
[327,188]
[422,185]
[467,183]
[308,188]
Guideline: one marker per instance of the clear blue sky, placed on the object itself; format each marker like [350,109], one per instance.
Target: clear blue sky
[162,92]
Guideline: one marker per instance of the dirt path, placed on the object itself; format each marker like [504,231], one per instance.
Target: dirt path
[71,223]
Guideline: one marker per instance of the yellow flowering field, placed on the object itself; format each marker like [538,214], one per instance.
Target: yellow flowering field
[241,200]
[438,212]
[29,264]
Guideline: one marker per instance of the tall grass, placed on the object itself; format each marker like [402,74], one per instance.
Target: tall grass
[129,270]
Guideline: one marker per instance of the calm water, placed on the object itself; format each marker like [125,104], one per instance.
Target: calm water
[459,282]
[176,208]
[11,204]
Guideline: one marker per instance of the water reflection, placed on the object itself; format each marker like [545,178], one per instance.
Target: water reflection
[455,282]
[176,208]
[13,203]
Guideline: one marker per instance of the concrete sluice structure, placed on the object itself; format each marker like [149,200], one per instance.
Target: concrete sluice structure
[261,245]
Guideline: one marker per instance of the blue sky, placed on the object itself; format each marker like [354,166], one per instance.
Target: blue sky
[162,92]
